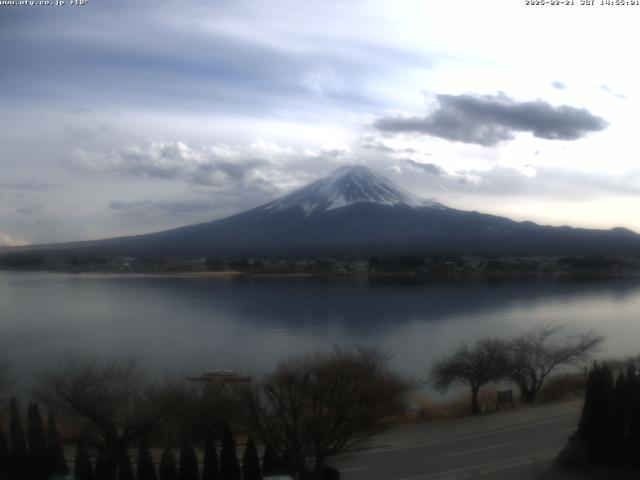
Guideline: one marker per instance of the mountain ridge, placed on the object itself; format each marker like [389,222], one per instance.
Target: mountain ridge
[354,210]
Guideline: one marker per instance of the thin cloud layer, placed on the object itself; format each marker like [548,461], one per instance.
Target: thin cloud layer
[490,119]
[162,208]
[211,166]
[525,181]
[611,92]
[31,186]
[7,241]
[430,168]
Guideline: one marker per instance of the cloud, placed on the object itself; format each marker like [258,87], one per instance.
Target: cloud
[218,167]
[230,57]
[557,183]
[490,119]
[28,211]
[559,85]
[7,241]
[162,208]
[77,132]
[31,186]
[430,168]
[611,92]
[259,167]
[370,142]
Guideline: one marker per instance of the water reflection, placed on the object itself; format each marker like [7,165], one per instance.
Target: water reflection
[187,324]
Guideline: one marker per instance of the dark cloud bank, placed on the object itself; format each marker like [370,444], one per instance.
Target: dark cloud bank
[490,119]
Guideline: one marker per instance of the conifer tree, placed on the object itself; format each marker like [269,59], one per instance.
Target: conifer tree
[589,420]
[146,469]
[188,462]
[19,458]
[270,461]
[619,419]
[609,414]
[605,441]
[211,466]
[633,413]
[82,467]
[107,462]
[168,469]
[57,461]
[229,466]
[251,462]
[5,456]
[101,467]
[125,470]
[37,454]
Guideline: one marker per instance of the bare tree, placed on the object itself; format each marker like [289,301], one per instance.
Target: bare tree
[109,399]
[204,409]
[534,355]
[476,365]
[315,406]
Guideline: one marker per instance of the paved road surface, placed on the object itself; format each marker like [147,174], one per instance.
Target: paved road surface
[518,444]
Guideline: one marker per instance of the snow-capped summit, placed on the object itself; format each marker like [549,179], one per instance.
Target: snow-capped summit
[346,186]
[356,211]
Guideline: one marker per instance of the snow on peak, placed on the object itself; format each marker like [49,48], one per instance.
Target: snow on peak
[345,186]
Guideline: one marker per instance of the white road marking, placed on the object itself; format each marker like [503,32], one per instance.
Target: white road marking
[517,464]
[355,469]
[376,451]
[466,452]
[488,467]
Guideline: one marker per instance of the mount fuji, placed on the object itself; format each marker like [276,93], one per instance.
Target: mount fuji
[357,211]
[347,186]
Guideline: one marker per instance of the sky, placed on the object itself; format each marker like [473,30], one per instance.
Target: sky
[123,117]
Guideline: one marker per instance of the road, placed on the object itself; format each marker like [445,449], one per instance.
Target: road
[516,444]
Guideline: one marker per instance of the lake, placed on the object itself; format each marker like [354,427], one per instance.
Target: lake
[193,324]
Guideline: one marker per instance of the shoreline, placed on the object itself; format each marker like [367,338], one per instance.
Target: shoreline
[458,276]
[412,275]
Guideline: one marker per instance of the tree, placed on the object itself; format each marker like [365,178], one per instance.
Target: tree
[604,427]
[125,470]
[82,468]
[476,365]
[110,398]
[204,409]
[537,353]
[251,462]
[57,461]
[19,454]
[107,462]
[38,455]
[606,440]
[317,405]
[271,464]
[146,469]
[633,414]
[168,469]
[188,462]
[229,466]
[210,465]
[619,420]
[5,455]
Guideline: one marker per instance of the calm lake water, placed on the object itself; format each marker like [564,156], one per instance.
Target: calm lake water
[194,324]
